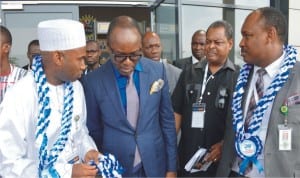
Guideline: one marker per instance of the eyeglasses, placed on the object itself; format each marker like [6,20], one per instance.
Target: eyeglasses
[122,57]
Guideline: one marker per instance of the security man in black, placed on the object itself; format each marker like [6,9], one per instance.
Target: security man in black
[202,100]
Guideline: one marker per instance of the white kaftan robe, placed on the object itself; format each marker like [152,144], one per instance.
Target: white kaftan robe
[18,121]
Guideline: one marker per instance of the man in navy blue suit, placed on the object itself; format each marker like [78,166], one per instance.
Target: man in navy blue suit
[145,147]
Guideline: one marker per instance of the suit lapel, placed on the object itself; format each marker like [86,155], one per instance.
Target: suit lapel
[276,117]
[112,89]
[190,60]
[144,86]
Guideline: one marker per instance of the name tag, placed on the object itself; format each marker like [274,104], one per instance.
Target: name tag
[198,115]
[285,138]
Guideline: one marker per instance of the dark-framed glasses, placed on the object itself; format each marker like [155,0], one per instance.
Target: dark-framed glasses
[122,57]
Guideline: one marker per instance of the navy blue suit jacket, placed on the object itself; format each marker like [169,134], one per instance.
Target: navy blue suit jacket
[155,134]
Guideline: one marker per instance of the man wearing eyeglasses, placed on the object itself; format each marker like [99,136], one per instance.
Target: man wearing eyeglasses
[93,54]
[129,110]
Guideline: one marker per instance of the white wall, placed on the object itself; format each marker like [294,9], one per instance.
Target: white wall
[195,18]
[294,32]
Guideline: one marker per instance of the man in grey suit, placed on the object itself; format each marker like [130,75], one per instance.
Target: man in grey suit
[197,47]
[263,138]
[152,49]
[129,111]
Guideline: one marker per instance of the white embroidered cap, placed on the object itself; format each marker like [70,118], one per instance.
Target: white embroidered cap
[60,34]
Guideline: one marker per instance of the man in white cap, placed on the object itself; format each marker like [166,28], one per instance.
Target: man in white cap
[44,133]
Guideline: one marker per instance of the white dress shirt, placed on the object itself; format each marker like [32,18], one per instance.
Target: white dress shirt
[194,60]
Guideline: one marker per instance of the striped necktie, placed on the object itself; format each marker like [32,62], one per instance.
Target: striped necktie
[259,85]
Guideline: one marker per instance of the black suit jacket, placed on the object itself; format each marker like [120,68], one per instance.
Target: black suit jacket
[183,63]
[26,67]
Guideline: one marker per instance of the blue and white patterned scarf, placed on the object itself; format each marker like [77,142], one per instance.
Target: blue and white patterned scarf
[262,105]
[47,157]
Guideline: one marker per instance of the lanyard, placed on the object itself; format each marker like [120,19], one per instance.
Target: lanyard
[204,82]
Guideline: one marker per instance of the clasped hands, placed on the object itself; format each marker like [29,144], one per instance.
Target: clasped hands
[84,170]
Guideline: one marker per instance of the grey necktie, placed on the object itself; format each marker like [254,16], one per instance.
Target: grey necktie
[133,111]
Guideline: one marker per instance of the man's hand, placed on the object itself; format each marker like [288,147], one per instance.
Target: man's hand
[92,155]
[83,171]
[215,152]
[171,175]
[213,155]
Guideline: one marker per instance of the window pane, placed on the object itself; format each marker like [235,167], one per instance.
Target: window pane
[195,18]
[254,3]
[166,28]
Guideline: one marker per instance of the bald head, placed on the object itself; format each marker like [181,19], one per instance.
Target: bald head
[122,22]
[151,46]
[199,33]
[198,44]
[149,35]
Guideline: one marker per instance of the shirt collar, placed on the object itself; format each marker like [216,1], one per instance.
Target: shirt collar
[201,64]
[194,60]
[228,64]
[273,68]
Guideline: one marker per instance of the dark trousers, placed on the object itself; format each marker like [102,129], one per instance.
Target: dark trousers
[139,171]
[235,174]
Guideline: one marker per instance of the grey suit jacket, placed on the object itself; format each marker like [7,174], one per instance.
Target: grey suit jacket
[172,73]
[276,163]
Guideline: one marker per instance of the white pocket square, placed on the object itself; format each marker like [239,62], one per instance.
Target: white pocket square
[156,86]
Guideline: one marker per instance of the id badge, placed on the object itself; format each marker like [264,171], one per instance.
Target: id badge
[198,115]
[285,138]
